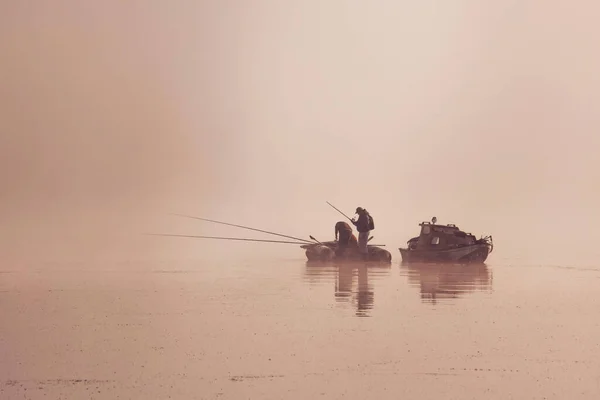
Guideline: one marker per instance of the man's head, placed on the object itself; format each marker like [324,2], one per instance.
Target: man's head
[359,210]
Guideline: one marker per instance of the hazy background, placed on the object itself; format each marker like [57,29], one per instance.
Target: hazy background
[112,114]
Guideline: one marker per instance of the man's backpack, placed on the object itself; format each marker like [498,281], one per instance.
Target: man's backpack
[371,223]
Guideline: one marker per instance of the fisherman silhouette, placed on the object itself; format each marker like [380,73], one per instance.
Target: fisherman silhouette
[346,237]
[363,225]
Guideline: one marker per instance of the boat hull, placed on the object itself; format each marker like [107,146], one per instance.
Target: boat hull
[476,253]
[328,252]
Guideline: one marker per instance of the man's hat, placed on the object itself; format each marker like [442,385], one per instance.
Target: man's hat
[358,209]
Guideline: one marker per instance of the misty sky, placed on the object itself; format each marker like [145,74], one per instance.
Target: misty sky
[257,112]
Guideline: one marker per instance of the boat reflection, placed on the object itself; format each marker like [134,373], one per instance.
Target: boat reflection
[447,281]
[353,284]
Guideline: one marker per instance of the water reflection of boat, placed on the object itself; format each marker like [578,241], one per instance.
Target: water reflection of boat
[448,281]
[352,284]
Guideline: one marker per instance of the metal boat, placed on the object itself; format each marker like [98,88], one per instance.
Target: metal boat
[446,244]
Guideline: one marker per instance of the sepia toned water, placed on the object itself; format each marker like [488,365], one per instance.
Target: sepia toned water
[288,329]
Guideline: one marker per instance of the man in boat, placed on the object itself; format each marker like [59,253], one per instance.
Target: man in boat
[346,237]
[363,225]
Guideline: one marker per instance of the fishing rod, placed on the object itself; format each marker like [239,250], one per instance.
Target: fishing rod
[339,211]
[224,238]
[243,227]
[312,237]
[243,239]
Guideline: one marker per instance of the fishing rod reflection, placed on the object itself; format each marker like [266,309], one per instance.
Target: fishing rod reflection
[447,281]
[353,282]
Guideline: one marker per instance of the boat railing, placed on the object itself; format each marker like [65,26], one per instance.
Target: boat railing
[487,240]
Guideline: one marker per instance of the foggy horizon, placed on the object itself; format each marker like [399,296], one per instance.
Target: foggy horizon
[114,115]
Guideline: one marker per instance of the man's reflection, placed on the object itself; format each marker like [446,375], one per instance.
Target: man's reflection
[343,282]
[365,296]
[352,284]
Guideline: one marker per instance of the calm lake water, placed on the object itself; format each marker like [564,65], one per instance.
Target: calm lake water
[287,329]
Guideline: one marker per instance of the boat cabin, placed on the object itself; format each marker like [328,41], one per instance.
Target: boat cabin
[439,237]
